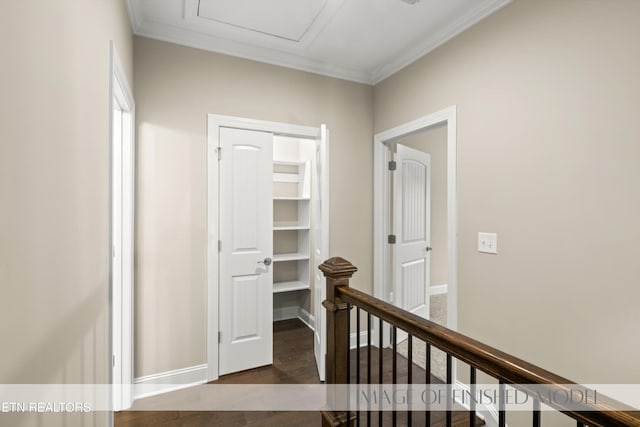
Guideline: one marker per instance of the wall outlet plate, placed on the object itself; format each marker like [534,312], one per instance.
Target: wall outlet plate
[488,243]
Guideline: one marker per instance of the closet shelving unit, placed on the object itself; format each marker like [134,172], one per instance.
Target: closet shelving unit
[291,226]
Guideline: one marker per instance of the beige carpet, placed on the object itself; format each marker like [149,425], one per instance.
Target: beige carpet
[438,309]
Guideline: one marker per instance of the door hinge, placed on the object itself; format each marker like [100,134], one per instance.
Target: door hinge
[219,245]
[391,239]
[113,360]
[393,165]
[219,151]
[219,337]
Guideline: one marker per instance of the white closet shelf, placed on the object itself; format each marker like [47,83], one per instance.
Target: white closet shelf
[289,162]
[292,213]
[294,285]
[290,227]
[290,257]
[295,198]
[285,177]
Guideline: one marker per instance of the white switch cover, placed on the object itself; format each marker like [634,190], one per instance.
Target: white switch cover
[488,243]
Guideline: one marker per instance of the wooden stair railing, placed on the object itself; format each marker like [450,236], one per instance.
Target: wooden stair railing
[507,369]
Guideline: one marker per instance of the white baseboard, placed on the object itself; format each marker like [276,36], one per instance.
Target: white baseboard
[353,339]
[294,312]
[439,289]
[164,382]
[286,313]
[488,413]
[307,318]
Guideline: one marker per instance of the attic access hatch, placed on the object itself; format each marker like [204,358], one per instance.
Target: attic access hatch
[265,17]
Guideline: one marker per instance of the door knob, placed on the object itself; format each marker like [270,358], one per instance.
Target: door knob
[428,248]
[266,261]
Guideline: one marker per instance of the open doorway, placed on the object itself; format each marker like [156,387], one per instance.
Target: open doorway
[420,258]
[419,221]
[435,135]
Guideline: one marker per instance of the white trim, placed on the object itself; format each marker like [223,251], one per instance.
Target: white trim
[282,129]
[275,56]
[427,45]
[321,246]
[117,72]
[165,382]
[214,122]
[286,313]
[353,339]
[123,334]
[213,266]
[307,318]
[452,217]
[294,312]
[245,36]
[187,38]
[438,289]
[488,413]
[381,203]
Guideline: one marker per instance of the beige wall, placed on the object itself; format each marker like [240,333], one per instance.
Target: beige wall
[54,191]
[548,103]
[434,142]
[548,153]
[176,87]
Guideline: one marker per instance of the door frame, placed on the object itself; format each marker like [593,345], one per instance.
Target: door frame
[382,206]
[121,300]
[214,123]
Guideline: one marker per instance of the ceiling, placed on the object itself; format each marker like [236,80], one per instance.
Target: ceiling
[359,40]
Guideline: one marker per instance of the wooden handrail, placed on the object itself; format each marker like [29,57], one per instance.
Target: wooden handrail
[509,369]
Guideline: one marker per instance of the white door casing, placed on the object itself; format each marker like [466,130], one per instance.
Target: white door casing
[412,211]
[382,202]
[321,247]
[246,221]
[122,234]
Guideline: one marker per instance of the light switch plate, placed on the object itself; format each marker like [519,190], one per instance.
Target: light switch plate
[488,243]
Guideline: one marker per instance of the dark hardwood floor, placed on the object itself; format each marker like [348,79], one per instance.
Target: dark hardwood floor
[372,418]
[293,363]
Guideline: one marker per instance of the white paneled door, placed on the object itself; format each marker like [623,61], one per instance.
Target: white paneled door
[246,273]
[412,206]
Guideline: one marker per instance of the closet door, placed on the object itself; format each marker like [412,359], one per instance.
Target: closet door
[246,240]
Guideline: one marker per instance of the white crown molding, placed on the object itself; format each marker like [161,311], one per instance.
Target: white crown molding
[202,41]
[429,44]
[178,35]
[134,14]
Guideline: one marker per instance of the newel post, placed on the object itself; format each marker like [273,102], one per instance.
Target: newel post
[337,271]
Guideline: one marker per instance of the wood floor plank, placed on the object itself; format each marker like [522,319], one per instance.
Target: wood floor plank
[293,363]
